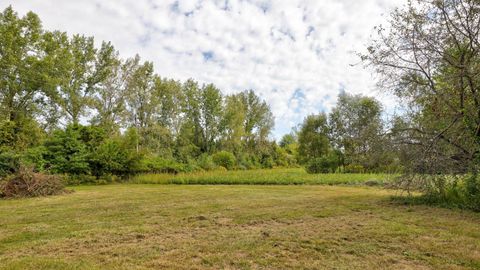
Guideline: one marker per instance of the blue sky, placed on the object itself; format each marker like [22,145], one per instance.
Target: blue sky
[296,54]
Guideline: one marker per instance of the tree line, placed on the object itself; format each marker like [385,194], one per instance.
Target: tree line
[68,106]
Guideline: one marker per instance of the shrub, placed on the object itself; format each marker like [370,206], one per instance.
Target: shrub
[267,162]
[67,153]
[112,157]
[205,162]
[26,183]
[325,164]
[35,158]
[162,165]
[247,162]
[224,159]
[462,191]
[9,163]
[318,165]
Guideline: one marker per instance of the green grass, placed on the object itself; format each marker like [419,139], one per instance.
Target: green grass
[296,176]
[233,227]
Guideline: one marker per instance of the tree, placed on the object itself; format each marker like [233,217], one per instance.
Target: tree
[169,111]
[356,129]
[203,109]
[233,124]
[313,138]
[287,139]
[289,143]
[259,120]
[50,82]
[429,58]
[84,68]
[24,72]
[110,95]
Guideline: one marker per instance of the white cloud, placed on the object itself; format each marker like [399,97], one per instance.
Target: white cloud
[273,47]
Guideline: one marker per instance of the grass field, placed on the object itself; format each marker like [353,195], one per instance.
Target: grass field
[233,227]
[292,176]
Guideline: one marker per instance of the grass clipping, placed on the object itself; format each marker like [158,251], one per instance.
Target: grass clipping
[26,183]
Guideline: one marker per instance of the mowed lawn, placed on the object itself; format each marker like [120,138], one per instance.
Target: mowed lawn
[233,227]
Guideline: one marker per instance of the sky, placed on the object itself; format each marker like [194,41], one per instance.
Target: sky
[298,55]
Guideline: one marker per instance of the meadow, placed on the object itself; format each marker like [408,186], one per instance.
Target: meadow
[233,227]
[284,176]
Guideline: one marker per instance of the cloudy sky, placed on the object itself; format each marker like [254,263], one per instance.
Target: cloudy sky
[296,54]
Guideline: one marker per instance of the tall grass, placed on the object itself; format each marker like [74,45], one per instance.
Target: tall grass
[296,176]
[452,191]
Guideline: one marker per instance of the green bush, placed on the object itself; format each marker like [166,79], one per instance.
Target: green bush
[67,153]
[325,164]
[461,191]
[247,162]
[224,159]
[9,163]
[162,165]
[35,158]
[205,162]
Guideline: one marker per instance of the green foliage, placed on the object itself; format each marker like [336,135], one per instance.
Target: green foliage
[19,135]
[25,72]
[139,121]
[206,162]
[313,138]
[356,128]
[66,152]
[224,159]
[35,158]
[9,163]
[472,190]
[460,191]
[161,165]
[326,164]
[110,157]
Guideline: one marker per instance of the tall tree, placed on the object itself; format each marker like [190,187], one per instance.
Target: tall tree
[110,95]
[85,68]
[203,108]
[234,124]
[429,57]
[357,128]
[313,138]
[169,111]
[259,120]
[23,71]
[141,100]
